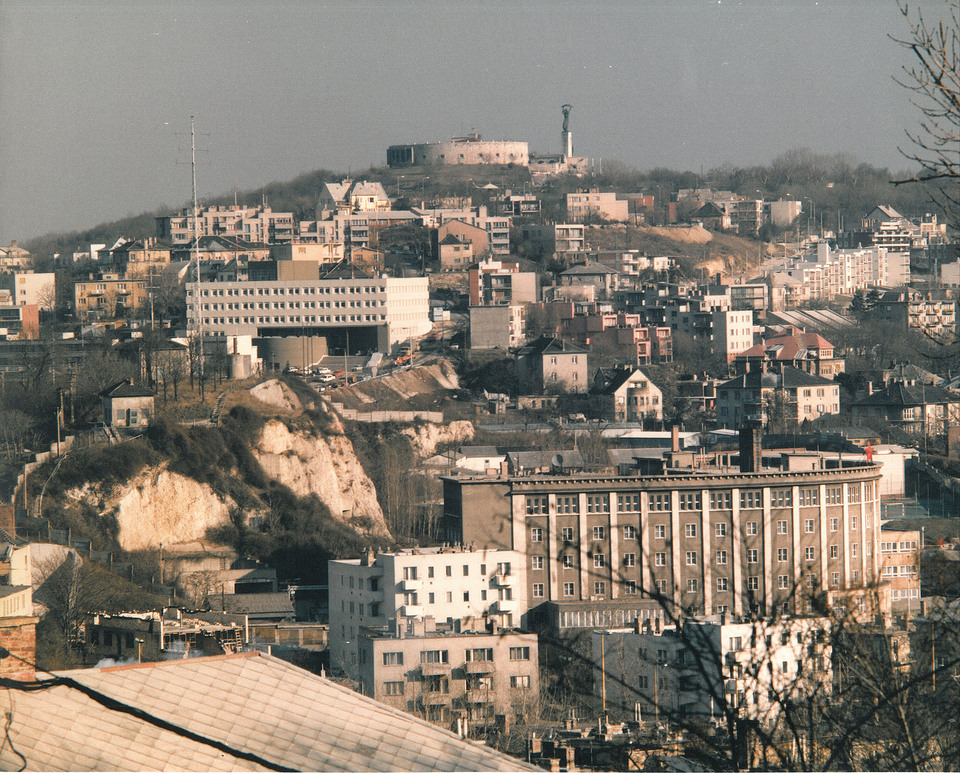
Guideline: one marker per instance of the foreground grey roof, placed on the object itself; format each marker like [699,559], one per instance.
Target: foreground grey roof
[235,712]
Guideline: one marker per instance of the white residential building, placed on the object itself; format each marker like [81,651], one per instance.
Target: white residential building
[754,667]
[584,205]
[252,224]
[444,583]
[30,289]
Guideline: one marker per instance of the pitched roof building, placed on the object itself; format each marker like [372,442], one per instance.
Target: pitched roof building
[809,352]
[237,712]
[792,393]
[919,409]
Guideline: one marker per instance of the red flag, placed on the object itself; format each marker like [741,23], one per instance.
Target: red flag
[869,451]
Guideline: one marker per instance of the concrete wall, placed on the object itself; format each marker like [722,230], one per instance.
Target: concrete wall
[452,153]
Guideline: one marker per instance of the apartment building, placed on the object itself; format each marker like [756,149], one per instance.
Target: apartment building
[565,241]
[498,283]
[757,666]
[497,327]
[551,365]
[28,288]
[461,670]
[378,312]
[595,205]
[900,551]
[729,333]
[353,196]
[913,310]
[626,394]
[107,296]
[787,394]
[809,352]
[252,224]
[440,582]
[632,263]
[718,541]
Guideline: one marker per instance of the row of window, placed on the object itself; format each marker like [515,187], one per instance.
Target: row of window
[443,656]
[687,501]
[751,529]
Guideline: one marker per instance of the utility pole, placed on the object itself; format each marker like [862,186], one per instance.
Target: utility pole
[196,247]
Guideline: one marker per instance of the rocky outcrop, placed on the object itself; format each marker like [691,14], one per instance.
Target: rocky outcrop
[158,506]
[323,466]
[424,438]
[161,506]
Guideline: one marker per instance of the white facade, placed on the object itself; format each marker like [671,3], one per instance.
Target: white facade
[402,305]
[444,583]
[35,290]
[594,203]
[754,666]
[252,224]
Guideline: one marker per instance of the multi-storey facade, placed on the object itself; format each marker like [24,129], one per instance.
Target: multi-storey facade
[789,395]
[716,542]
[379,312]
[565,241]
[108,295]
[759,667]
[593,204]
[438,582]
[912,310]
[900,551]
[497,283]
[550,365]
[447,671]
[252,224]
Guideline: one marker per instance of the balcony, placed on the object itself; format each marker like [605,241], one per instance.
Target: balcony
[434,669]
[478,695]
[503,605]
[479,667]
[410,585]
[502,580]
[412,610]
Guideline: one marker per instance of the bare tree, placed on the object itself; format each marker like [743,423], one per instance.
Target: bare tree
[933,79]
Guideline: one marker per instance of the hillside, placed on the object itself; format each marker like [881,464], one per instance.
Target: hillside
[278,480]
[699,252]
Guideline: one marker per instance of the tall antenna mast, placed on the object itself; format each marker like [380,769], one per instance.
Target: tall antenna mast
[196,245]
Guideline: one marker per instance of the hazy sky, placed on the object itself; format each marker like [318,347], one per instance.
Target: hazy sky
[96,97]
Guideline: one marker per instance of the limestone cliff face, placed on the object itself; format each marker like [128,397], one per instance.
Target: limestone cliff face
[325,466]
[158,506]
[424,438]
[161,506]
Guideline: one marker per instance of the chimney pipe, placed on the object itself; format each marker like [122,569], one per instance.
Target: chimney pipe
[750,447]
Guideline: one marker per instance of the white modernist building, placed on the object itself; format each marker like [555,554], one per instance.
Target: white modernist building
[379,312]
[441,582]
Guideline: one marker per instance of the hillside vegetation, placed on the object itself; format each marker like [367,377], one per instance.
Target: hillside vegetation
[836,184]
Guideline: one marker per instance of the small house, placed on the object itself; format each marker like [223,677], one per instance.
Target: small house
[127,406]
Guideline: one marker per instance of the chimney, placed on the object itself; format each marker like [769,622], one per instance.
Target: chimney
[18,635]
[675,439]
[8,521]
[504,468]
[750,447]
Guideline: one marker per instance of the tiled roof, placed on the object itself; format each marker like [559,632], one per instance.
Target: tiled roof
[255,604]
[236,712]
[589,268]
[547,345]
[910,395]
[126,389]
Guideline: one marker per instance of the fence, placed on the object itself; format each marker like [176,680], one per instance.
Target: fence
[379,417]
